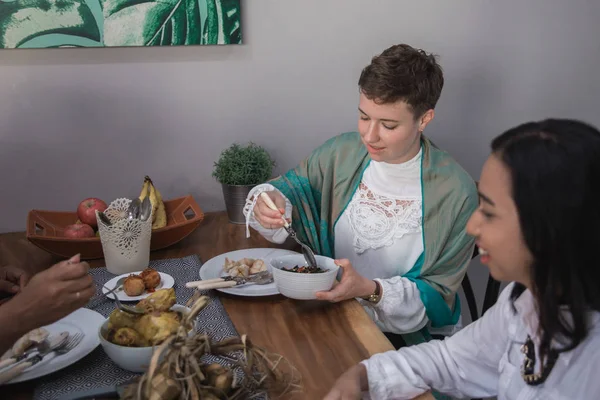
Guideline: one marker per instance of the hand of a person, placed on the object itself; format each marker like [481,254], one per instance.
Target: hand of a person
[350,385]
[12,279]
[267,217]
[55,292]
[351,285]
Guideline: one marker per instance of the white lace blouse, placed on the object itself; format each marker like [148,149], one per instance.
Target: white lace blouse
[380,232]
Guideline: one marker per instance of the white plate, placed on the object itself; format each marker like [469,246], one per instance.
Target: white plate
[213,268]
[83,320]
[166,282]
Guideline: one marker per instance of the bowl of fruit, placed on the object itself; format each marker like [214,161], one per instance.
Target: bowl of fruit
[65,233]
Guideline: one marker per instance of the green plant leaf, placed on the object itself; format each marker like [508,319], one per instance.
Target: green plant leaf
[47,23]
[151,22]
[222,24]
[248,165]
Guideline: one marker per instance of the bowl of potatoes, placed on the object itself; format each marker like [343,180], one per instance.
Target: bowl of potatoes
[130,339]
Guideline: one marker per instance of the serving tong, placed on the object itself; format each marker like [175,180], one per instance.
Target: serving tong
[309,255]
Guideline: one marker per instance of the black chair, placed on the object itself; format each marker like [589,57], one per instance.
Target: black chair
[492,290]
[491,293]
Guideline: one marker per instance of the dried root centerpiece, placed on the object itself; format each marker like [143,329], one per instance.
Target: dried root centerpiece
[183,367]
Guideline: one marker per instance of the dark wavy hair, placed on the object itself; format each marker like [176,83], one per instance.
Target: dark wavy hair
[555,169]
[402,72]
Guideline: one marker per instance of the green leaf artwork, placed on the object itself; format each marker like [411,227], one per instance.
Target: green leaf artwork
[115,23]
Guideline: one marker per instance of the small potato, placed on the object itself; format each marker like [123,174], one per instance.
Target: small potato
[134,285]
[127,337]
[151,278]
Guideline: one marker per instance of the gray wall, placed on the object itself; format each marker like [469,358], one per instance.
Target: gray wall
[92,122]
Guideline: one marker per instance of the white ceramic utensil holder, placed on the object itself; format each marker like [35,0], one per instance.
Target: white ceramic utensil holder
[126,242]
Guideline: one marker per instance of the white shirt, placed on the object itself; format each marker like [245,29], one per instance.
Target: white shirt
[380,232]
[484,359]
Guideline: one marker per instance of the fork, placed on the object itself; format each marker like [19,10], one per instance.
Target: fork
[118,286]
[17,369]
[70,345]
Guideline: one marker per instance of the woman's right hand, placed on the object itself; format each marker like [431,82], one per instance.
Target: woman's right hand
[350,385]
[267,217]
[55,292]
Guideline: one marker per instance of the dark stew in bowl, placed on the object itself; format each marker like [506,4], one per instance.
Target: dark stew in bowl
[305,269]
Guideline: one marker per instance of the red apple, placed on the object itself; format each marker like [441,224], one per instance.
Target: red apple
[79,231]
[86,211]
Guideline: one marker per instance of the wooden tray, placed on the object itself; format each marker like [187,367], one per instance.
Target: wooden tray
[45,229]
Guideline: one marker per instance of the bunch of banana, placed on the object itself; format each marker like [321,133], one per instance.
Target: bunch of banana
[159,214]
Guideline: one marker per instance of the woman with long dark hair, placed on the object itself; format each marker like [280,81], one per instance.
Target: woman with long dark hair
[537,226]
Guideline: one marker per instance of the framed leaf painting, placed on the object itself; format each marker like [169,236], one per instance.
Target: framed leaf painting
[116,23]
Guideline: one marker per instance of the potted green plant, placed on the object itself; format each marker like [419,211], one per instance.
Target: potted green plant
[239,169]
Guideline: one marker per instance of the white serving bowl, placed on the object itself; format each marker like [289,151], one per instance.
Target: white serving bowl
[302,286]
[134,359]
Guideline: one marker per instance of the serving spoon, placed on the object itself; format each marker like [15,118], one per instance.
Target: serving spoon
[309,255]
[120,306]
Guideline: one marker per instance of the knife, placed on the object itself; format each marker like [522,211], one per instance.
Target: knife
[254,277]
[260,278]
[44,349]
[14,359]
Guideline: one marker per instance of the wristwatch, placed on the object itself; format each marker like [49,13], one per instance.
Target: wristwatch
[375,296]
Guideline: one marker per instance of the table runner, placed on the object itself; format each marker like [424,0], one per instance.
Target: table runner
[97,370]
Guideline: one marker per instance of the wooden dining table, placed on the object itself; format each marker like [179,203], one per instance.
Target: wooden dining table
[321,339]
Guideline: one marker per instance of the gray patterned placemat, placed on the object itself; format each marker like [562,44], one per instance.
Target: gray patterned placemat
[96,370]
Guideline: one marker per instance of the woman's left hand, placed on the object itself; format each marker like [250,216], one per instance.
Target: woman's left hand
[350,385]
[351,285]
[12,279]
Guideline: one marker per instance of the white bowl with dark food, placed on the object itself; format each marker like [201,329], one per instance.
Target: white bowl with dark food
[294,279]
[130,340]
